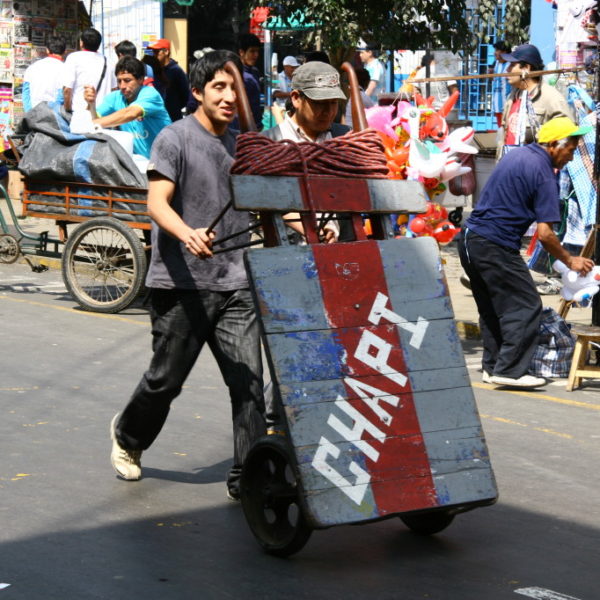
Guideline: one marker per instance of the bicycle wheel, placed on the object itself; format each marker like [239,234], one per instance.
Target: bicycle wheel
[104,265]
[9,248]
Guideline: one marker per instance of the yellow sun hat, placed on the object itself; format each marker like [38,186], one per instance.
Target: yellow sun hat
[560,128]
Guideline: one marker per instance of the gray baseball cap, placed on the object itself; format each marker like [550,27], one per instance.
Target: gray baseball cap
[318,81]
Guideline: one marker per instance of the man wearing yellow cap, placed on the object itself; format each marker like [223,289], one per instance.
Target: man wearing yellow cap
[523,189]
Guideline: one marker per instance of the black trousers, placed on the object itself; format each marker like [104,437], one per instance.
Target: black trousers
[509,305]
[182,322]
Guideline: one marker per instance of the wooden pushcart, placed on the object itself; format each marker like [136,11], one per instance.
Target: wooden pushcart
[103,259]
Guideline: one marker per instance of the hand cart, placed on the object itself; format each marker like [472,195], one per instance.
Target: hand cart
[104,259]
[378,416]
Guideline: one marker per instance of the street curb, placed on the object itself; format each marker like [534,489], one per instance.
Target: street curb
[52,263]
[468,330]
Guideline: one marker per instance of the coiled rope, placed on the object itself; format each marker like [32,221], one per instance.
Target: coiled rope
[356,154]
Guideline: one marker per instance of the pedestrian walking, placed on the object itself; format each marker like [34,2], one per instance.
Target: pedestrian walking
[196,297]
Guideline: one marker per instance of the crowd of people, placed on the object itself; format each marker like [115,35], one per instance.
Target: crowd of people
[198,297]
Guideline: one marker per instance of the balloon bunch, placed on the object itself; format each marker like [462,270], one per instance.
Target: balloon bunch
[418,144]
[433,222]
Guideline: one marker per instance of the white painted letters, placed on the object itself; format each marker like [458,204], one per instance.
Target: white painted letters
[356,491]
[374,352]
[371,396]
[377,361]
[379,310]
[354,434]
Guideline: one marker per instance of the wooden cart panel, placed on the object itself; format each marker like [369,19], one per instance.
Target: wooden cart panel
[78,202]
[367,360]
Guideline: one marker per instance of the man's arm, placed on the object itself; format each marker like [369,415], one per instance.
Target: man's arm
[119,117]
[551,243]
[68,96]
[160,196]
[371,87]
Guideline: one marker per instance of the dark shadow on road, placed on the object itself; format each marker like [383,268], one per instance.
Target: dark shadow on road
[205,554]
[211,474]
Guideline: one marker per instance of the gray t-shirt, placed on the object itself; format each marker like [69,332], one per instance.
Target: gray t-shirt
[198,162]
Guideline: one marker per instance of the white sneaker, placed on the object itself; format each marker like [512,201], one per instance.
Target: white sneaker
[126,463]
[486,377]
[526,381]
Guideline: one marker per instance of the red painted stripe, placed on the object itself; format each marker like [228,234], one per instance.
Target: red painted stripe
[331,194]
[350,276]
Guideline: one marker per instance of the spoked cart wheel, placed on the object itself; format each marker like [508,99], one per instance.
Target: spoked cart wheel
[9,248]
[271,498]
[104,265]
[427,523]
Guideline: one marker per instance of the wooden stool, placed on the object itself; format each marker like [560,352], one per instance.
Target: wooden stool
[579,369]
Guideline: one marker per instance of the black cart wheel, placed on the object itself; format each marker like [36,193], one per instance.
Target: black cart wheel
[9,248]
[455,217]
[271,498]
[104,265]
[428,523]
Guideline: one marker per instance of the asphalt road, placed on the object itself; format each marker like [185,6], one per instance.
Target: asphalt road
[69,529]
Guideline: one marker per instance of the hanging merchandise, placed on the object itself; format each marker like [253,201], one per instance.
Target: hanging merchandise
[419,146]
[25,27]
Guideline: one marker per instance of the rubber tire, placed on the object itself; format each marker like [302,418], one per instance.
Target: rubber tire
[9,249]
[105,236]
[427,523]
[269,493]
[455,217]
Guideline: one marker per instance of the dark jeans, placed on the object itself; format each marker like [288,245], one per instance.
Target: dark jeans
[182,321]
[508,303]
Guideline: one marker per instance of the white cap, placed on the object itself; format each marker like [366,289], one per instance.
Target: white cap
[290,61]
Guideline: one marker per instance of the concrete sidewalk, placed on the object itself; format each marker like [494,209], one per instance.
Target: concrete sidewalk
[465,310]
[462,300]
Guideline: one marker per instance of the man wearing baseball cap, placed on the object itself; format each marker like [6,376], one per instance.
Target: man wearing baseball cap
[531,102]
[282,93]
[522,189]
[178,91]
[315,97]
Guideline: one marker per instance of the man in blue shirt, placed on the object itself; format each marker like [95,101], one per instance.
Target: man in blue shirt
[523,189]
[177,93]
[135,107]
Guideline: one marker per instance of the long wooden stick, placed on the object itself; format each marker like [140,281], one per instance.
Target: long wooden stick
[492,75]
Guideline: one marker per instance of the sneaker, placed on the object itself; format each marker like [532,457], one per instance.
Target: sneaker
[549,287]
[526,381]
[233,494]
[486,377]
[126,463]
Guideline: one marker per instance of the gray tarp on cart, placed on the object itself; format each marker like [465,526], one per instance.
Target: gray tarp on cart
[52,153]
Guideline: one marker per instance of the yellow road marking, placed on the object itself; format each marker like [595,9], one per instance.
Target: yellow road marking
[567,436]
[20,389]
[538,396]
[78,312]
[502,420]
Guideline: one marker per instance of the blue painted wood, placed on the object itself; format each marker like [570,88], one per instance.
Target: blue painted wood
[316,355]
[310,364]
